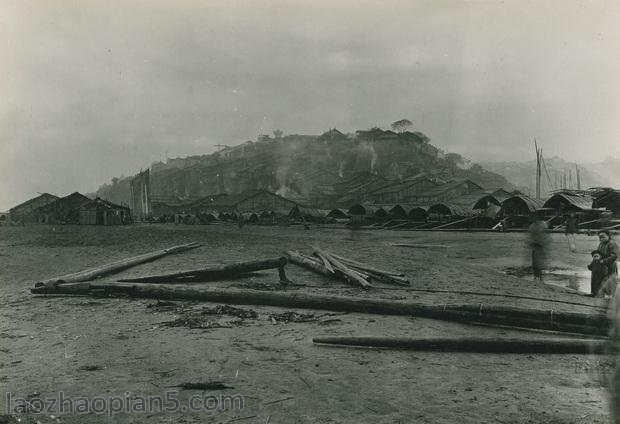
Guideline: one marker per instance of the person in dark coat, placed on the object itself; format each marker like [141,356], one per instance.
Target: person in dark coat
[609,254]
[571,228]
[598,273]
[538,241]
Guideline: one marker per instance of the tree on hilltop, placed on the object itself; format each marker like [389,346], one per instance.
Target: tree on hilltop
[401,125]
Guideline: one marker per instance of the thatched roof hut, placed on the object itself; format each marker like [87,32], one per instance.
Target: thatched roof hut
[338,214]
[569,202]
[520,205]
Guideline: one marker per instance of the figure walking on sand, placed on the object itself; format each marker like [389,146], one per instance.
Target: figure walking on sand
[538,241]
[571,228]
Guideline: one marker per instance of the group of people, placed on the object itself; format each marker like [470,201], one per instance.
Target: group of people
[603,266]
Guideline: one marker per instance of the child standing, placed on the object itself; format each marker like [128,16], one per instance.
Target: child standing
[599,273]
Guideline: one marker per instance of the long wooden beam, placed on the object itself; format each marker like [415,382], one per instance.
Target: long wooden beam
[114,267]
[213,272]
[480,313]
[475,344]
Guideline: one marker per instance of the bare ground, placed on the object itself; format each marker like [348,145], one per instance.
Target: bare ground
[122,347]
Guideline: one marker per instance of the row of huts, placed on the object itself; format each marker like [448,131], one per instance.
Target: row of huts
[481,209]
[457,204]
[74,208]
[595,208]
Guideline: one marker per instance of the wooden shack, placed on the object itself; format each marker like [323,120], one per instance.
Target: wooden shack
[61,211]
[609,199]
[102,212]
[254,201]
[21,212]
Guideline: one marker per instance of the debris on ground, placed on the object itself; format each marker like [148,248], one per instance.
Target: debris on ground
[195,322]
[211,385]
[90,368]
[204,318]
[291,316]
[230,310]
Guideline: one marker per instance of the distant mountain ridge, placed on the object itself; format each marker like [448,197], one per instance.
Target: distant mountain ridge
[301,167]
[559,174]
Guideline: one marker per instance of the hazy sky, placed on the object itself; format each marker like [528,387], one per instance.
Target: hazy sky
[95,89]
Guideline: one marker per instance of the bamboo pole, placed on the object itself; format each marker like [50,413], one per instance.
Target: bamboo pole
[588,222]
[114,267]
[593,324]
[475,344]
[213,272]
[365,267]
[449,224]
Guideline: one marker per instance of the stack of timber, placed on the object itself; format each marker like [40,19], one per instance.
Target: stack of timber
[348,270]
[325,263]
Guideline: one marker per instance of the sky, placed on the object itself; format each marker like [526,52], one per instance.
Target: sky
[91,89]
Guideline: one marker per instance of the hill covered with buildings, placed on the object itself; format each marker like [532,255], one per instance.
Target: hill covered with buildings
[319,171]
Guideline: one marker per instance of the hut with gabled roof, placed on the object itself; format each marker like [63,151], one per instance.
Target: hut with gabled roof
[21,212]
[64,210]
[102,212]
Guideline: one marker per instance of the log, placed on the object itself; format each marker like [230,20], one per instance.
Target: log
[114,267]
[374,273]
[387,279]
[313,265]
[479,313]
[353,275]
[215,272]
[420,246]
[326,263]
[365,267]
[309,263]
[475,344]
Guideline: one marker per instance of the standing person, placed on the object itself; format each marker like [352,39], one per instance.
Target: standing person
[571,228]
[609,254]
[598,273]
[538,241]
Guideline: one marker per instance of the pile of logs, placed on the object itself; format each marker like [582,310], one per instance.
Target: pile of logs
[326,263]
[344,269]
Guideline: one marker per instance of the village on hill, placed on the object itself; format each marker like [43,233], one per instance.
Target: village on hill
[374,178]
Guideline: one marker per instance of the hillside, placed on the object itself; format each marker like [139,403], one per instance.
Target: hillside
[300,166]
